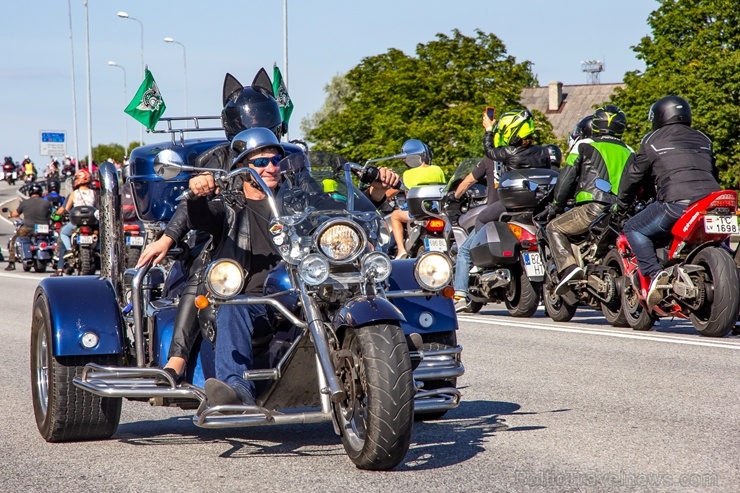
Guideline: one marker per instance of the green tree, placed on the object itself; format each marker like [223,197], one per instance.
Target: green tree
[102,152]
[437,96]
[693,52]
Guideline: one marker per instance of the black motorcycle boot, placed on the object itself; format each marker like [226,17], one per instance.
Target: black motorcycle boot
[571,273]
[11,266]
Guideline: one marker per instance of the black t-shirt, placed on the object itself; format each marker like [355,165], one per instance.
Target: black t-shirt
[264,256]
[35,211]
[487,167]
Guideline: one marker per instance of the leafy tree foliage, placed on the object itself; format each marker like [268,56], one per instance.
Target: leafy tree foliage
[102,152]
[437,96]
[693,52]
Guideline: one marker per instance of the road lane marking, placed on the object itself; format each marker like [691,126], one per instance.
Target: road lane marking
[32,277]
[606,332]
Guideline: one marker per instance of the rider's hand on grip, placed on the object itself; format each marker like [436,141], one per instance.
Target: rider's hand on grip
[372,174]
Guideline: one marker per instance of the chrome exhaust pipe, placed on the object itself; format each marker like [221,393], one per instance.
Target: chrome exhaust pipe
[111,229]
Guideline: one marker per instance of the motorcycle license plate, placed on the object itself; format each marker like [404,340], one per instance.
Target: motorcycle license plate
[721,224]
[533,264]
[435,244]
[42,228]
[85,240]
[135,240]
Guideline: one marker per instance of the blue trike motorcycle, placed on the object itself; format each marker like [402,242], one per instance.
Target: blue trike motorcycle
[359,340]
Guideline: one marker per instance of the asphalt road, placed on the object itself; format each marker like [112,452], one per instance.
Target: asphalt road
[546,407]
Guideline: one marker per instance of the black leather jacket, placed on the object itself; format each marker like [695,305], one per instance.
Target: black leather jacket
[532,156]
[680,162]
[604,157]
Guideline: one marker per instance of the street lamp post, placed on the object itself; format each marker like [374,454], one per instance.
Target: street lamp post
[89,96]
[125,117]
[124,15]
[185,66]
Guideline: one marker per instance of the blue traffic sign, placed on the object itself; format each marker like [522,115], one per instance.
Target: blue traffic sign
[53,136]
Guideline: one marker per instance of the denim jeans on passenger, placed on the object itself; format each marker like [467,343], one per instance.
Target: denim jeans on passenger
[463,265]
[651,224]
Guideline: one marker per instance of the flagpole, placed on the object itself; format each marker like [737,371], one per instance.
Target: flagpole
[285,51]
[74,89]
[89,100]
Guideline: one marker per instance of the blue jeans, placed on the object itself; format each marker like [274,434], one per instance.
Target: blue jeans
[653,223]
[463,264]
[235,325]
[66,236]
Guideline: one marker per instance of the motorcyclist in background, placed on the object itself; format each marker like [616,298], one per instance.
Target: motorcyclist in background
[509,141]
[581,132]
[680,163]
[35,210]
[82,194]
[421,172]
[29,169]
[605,157]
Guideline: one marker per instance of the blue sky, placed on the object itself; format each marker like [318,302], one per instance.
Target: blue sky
[325,38]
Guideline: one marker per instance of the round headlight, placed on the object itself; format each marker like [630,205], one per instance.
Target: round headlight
[376,265]
[340,241]
[225,278]
[433,271]
[314,269]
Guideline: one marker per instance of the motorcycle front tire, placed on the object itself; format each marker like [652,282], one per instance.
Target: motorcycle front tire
[376,418]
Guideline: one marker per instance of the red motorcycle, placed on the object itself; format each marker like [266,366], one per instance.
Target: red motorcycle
[703,281]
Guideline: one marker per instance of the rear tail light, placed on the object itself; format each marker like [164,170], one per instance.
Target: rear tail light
[435,225]
[724,201]
[43,245]
[525,238]
[85,230]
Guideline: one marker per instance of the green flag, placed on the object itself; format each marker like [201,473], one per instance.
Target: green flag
[281,94]
[147,106]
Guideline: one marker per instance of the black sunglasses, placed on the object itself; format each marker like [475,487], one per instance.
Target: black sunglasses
[264,162]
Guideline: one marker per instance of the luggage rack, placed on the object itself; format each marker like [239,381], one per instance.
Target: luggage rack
[176,130]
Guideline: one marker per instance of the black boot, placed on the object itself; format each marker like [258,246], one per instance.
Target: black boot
[11,266]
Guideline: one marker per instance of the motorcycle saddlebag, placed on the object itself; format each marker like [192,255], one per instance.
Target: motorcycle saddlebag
[424,199]
[83,215]
[494,245]
[524,188]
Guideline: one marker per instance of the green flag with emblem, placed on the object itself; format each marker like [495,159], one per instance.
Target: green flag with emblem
[147,106]
[281,94]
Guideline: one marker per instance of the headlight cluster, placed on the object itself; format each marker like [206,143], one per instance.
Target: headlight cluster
[376,266]
[433,271]
[341,241]
[225,278]
[314,269]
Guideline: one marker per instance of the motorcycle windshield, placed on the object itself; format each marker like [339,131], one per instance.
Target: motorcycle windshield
[318,187]
[463,169]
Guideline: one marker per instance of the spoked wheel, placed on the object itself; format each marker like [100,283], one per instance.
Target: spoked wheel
[717,316]
[63,411]
[522,296]
[375,420]
[556,307]
[636,315]
[613,312]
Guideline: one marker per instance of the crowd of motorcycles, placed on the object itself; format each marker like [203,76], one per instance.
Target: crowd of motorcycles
[512,263]
[511,257]
[40,250]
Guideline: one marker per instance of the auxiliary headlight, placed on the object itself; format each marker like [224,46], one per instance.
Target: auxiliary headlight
[340,241]
[225,278]
[314,269]
[433,271]
[376,265]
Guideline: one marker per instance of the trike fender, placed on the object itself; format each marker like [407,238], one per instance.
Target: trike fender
[361,311]
[423,314]
[79,305]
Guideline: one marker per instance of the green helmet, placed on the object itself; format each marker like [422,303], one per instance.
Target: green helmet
[512,127]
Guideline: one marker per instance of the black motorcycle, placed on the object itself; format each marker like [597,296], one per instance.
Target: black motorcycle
[84,257]
[35,251]
[595,251]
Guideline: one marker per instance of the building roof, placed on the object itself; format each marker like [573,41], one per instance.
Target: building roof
[566,105]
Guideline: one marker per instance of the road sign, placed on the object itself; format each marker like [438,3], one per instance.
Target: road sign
[53,143]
